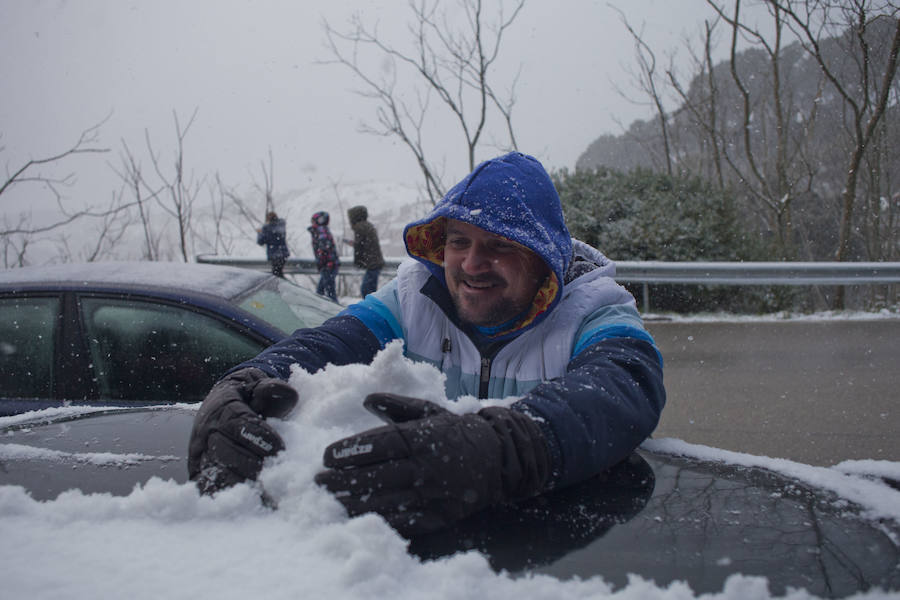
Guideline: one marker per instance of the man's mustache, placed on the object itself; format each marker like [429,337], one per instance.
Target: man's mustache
[487,278]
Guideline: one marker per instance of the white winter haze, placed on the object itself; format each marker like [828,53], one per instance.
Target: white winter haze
[253,72]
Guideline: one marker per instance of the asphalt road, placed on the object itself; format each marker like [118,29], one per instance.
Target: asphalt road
[817,392]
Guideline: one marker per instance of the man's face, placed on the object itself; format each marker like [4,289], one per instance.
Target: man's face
[491,278]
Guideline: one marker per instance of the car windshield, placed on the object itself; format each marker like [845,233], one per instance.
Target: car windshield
[288,306]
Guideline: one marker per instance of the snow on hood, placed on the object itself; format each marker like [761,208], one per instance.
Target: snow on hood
[164,540]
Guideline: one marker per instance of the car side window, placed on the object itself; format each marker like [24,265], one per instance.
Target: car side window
[28,333]
[150,351]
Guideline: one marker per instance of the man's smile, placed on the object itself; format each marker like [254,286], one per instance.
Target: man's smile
[480,284]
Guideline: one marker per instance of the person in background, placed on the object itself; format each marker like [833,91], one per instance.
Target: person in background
[274,235]
[366,249]
[327,261]
[502,301]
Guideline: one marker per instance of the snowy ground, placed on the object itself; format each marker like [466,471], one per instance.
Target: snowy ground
[165,541]
[829,315]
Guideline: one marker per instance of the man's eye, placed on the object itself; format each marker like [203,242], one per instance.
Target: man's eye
[456,242]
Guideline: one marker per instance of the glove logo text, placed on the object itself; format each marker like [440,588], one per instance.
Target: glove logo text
[257,440]
[351,450]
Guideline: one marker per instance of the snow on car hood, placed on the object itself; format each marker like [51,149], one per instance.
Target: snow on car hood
[165,540]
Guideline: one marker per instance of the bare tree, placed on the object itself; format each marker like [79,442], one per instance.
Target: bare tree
[864,91]
[447,60]
[268,185]
[25,173]
[179,191]
[174,192]
[14,247]
[219,203]
[646,81]
[16,236]
[235,215]
[765,174]
[249,215]
[133,180]
[703,111]
[108,233]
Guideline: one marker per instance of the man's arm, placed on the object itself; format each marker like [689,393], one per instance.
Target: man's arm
[607,403]
[341,340]
[231,439]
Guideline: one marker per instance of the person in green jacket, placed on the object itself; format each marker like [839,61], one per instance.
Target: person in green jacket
[366,249]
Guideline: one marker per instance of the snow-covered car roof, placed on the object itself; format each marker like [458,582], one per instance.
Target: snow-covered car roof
[213,280]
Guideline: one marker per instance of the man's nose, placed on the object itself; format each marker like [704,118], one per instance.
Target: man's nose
[477,259]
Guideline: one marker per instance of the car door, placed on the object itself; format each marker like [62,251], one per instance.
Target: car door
[147,349]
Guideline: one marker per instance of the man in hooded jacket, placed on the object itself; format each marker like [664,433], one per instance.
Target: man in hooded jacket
[505,303]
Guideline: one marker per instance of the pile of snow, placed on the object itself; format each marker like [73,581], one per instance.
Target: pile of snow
[166,541]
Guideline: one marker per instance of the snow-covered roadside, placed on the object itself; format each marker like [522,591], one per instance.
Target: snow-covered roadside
[779,317]
[857,481]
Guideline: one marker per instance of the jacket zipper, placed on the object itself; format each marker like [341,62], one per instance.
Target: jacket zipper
[485,378]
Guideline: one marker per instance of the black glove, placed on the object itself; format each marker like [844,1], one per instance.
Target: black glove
[230,439]
[429,467]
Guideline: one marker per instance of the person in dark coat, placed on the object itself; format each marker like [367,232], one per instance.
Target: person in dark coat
[499,298]
[273,234]
[327,261]
[366,249]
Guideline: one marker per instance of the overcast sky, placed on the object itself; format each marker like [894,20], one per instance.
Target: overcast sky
[252,70]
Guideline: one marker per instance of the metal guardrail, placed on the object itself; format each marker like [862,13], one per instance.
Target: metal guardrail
[296,266]
[759,273]
[650,272]
[709,273]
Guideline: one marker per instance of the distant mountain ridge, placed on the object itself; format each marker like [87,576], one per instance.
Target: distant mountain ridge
[801,89]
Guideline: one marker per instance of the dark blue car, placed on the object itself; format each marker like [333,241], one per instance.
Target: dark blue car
[137,332]
[659,515]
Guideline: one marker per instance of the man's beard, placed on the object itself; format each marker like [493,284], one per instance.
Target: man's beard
[498,311]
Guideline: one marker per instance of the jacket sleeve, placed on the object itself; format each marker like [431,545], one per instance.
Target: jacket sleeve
[354,336]
[607,403]
[341,340]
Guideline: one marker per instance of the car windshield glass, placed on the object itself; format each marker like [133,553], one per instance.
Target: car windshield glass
[288,306]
